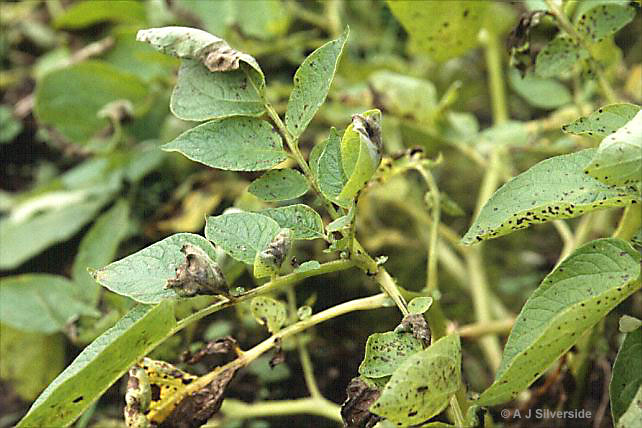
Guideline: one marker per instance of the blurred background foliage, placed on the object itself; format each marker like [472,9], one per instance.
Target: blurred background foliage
[84,108]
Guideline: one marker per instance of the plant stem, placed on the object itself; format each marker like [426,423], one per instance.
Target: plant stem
[481,329]
[629,223]
[235,409]
[492,54]
[390,287]
[431,263]
[458,416]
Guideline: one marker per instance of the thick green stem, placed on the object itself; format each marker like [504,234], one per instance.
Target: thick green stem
[235,409]
[431,264]
[629,223]
[493,56]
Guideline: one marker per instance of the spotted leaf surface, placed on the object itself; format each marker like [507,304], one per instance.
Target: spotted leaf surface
[241,235]
[268,312]
[422,385]
[559,56]
[331,177]
[143,275]
[100,365]
[311,84]
[235,144]
[303,221]
[603,121]
[442,29]
[603,20]
[627,374]
[552,189]
[279,185]
[386,351]
[618,160]
[570,300]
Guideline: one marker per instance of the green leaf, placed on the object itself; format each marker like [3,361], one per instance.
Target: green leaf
[603,21]
[268,312]
[306,266]
[330,170]
[419,305]
[9,127]
[236,144]
[627,324]
[100,365]
[144,274]
[72,109]
[303,221]
[558,57]
[311,84]
[40,303]
[87,13]
[279,185]
[604,121]
[552,189]
[631,418]
[386,351]
[570,300]
[444,30]
[313,159]
[542,93]
[30,361]
[202,95]
[241,235]
[618,160]
[97,248]
[341,222]
[626,379]
[23,238]
[422,385]
[404,96]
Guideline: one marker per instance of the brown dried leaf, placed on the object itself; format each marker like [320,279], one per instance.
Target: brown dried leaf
[220,346]
[354,411]
[197,275]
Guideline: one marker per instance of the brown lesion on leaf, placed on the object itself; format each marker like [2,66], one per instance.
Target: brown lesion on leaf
[355,410]
[197,275]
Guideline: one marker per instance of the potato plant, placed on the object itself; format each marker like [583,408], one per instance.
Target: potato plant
[311,213]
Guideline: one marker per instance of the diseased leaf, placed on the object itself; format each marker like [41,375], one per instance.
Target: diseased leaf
[100,365]
[442,29]
[241,235]
[236,144]
[303,221]
[311,84]
[604,20]
[618,160]
[202,95]
[72,109]
[422,385]
[558,57]
[40,303]
[87,13]
[570,300]
[604,121]
[331,177]
[30,361]
[269,312]
[552,189]
[626,379]
[543,93]
[386,351]
[355,409]
[143,275]
[269,260]
[419,305]
[97,248]
[279,185]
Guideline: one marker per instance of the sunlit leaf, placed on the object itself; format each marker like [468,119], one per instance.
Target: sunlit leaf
[269,312]
[303,221]
[279,185]
[604,20]
[603,121]
[386,351]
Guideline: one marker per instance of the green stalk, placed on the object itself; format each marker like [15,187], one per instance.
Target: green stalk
[235,409]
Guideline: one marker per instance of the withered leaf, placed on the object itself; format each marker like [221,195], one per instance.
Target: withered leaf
[354,411]
[219,346]
[279,355]
[518,41]
[417,325]
[197,275]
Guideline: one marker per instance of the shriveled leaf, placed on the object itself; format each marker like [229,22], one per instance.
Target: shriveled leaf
[422,385]
[558,57]
[419,305]
[331,177]
[542,93]
[241,235]
[403,95]
[202,95]
[30,361]
[311,84]
[355,409]
[279,185]
[236,144]
[604,121]
[386,351]
[143,275]
[626,379]
[87,13]
[24,238]
[618,160]
[303,221]
[594,279]
[97,248]
[40,302]
[604,20]
[442,29]
[268,312]
[73,109]
[100,365]
[631,418]
[552,189]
